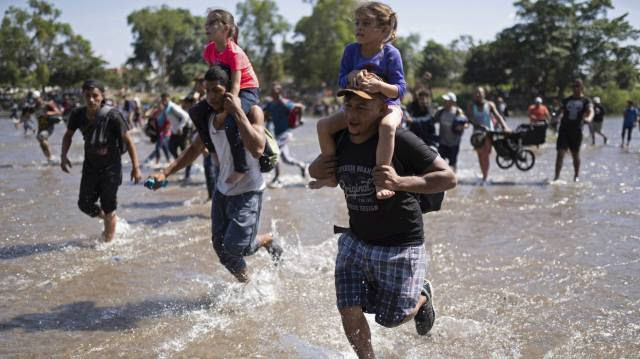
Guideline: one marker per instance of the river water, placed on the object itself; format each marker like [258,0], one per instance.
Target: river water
[521,268]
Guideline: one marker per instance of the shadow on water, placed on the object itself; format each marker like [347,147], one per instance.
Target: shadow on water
[164,219]
[85,316]
[475,182]
[23,250]
[153,205]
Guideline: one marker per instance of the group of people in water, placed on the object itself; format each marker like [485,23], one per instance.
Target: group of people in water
[382,168]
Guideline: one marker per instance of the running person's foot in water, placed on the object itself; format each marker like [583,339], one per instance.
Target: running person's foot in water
[268,243]
[426,315]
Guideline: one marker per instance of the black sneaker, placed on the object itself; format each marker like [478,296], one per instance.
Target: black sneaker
[426,315]
[275,251]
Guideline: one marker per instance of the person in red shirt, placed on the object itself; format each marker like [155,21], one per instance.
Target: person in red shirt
[538,112]
[222,49]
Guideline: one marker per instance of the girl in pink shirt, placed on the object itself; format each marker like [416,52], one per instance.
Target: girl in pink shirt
[222,49]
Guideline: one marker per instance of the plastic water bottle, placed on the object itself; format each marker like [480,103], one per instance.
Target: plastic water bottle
[150,183]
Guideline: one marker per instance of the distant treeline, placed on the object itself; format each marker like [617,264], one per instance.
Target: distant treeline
[553,42]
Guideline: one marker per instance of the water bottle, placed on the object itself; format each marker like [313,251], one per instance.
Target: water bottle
[150,183]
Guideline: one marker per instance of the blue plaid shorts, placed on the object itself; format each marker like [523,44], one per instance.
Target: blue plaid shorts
[386,281]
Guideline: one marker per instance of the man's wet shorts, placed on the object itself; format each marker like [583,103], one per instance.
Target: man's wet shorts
[383,280]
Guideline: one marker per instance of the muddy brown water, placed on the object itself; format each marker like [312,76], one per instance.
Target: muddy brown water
[521,268]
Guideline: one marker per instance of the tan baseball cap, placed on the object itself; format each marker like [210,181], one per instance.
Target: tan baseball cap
[359,93]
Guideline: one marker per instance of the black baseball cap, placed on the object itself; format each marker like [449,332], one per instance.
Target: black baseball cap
[92,84]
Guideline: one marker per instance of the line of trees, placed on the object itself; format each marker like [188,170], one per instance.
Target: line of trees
[37,50]
[552,42]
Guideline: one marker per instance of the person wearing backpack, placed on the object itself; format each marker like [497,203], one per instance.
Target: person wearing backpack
[381,262]
[452,123]
[104,130]
[236,206]
[284,115]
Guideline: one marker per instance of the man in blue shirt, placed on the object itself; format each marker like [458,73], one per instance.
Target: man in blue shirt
[631,116]
[278,111]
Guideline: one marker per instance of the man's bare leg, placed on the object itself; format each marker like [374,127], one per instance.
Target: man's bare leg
[559,160]
[357,331]
[576,164]
[45,149]
[110,220]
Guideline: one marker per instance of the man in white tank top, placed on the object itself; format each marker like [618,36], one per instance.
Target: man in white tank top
[235,208]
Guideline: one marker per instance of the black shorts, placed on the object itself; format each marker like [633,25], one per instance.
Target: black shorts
[102,185]
[569,138]
[449,153]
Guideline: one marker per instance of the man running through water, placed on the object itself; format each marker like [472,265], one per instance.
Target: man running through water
[45,113]
[236,207]
[105,136]
[381,262]
[576,109]
[278,111]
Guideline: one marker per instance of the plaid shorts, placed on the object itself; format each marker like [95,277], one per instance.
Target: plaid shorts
[386,281]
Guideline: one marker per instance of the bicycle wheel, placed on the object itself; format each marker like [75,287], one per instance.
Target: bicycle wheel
[525,159]
[504,162]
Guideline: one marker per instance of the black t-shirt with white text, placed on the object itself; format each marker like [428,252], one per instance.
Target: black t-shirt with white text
[393,222]
[116,128]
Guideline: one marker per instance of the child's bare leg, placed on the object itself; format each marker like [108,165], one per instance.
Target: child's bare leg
[326,128]
[386,143]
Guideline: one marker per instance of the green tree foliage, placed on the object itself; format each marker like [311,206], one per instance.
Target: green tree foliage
[260,26]
[314,58]
[486,65]
[38,50]
[554,42]
[408,46]
[165,41]
[445,63]
[15,57]
[72,62]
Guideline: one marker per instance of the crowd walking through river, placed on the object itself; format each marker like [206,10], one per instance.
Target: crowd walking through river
[390,233]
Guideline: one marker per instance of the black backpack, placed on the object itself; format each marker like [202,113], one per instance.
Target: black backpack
[97,136]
